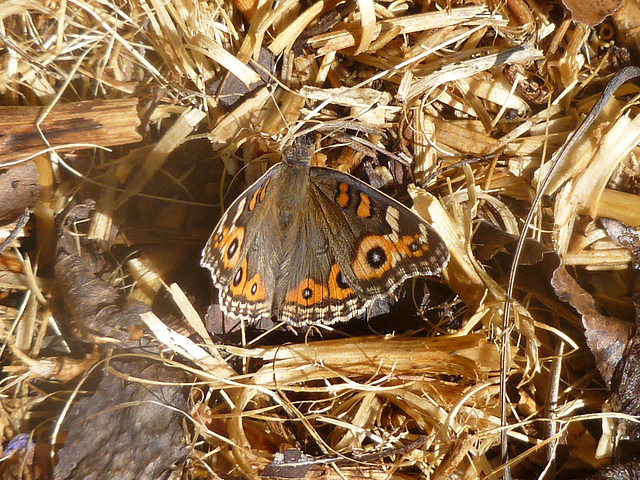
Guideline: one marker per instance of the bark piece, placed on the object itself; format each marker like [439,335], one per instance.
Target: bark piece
[18,190]
[95,122]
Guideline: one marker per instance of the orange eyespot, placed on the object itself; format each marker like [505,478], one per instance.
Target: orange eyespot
[307,293]
[252,289]
[374,257]
[231,246]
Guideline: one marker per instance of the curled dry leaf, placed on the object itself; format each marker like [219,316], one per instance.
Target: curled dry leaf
[231,88]
[530,88]
[606,336]
[491,240]
[591,12]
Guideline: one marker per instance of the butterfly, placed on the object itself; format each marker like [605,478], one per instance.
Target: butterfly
[312,245]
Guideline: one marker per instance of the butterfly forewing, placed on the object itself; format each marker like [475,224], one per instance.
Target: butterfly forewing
[235,252]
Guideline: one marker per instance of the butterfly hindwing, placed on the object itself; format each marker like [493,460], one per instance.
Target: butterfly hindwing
[311,287]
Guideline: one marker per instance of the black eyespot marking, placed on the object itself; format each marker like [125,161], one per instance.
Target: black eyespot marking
[237,279]
[254,288]
[232,248]
[341,281]
[307,293]
[414,246]
[376,257]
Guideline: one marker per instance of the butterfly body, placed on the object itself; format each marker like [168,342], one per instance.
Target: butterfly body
[314,245]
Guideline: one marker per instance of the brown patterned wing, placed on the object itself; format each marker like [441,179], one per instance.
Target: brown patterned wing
[235,252]
[378,242]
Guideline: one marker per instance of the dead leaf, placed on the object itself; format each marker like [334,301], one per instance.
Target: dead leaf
[606,336]
[591,12]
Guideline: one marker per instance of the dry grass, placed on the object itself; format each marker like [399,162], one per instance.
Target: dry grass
[433,83]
